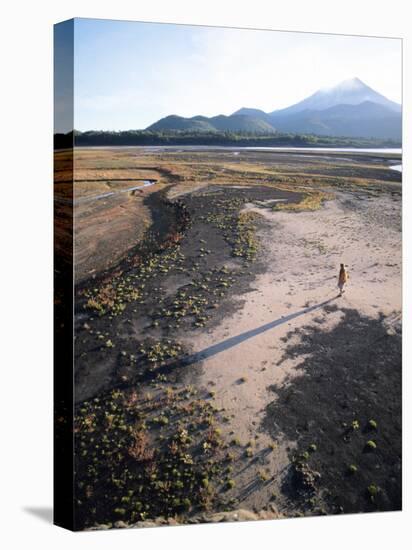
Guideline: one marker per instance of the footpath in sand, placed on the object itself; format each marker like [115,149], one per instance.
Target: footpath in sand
[244,355]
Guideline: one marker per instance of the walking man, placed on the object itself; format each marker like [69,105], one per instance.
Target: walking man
[342,279]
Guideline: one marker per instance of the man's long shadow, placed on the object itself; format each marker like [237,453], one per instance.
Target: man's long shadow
[235,340]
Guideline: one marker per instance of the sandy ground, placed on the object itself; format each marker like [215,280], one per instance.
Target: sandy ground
[303,252]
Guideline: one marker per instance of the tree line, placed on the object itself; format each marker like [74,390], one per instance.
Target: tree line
[182,138]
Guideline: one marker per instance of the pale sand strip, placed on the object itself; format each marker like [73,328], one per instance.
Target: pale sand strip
[303,252]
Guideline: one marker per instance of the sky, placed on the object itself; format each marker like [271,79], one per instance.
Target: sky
[128,75]
[63,76]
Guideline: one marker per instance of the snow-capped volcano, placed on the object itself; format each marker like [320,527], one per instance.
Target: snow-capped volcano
[349,92]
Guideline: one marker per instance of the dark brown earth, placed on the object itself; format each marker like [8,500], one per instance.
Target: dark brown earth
[201,263]
[148,441]
[347,394]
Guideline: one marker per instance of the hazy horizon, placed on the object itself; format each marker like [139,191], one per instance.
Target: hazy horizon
[127,75]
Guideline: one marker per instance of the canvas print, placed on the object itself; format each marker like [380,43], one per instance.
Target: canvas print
[227,274]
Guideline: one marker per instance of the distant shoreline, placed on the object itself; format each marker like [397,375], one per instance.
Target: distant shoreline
[135,138]
[303,148]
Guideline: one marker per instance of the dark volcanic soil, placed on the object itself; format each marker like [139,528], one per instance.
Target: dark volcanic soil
[148,443]
[198,254]
[344,411]
[145,427]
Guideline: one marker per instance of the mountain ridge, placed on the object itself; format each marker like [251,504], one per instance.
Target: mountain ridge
[351,108]
[219,123]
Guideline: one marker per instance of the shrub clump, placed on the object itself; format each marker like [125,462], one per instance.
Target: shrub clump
[370,445]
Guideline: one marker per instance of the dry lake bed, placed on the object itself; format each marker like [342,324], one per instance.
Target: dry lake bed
[218,375]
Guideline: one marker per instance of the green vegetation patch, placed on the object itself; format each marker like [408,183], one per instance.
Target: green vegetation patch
[310,201]
[194,302]
[239,228]
[113,296]
[133,463]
